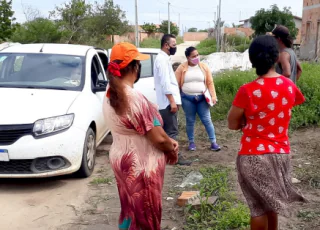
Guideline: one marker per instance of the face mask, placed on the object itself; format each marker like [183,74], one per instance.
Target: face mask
[195,61]
[138,73]
[172,50]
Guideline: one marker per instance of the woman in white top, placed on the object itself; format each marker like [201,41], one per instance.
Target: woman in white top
[194,78]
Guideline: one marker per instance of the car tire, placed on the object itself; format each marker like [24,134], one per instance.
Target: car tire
[89,155]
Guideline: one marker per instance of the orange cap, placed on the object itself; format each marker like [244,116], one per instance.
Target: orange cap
[126,52]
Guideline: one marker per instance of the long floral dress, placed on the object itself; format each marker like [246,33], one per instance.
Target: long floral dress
[138,166]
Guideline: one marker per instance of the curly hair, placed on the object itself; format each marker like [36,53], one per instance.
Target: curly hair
[117,95]
[263,54]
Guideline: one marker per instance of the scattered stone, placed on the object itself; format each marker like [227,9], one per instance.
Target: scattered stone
[196,203]
[187,197]
[307,163]
[295,181]
[170,198]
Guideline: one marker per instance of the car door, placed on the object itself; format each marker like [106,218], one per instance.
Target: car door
[98,73]
[146,83]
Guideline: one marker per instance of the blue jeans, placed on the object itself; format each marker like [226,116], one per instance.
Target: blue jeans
[193,105]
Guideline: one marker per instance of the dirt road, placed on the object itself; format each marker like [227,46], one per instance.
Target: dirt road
[40,204]
[180,55]
[45,204]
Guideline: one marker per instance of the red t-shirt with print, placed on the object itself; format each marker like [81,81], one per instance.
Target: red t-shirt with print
[267,104]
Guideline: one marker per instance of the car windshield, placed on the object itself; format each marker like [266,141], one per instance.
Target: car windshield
[43,71]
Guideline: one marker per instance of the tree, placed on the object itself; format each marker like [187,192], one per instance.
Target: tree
[204,30]
[6,19]
[193,29]
[39,30]
[71,16]
[164,28]
[265,20]
[149,28]
[106,19]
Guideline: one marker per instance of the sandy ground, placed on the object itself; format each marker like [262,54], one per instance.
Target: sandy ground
[67,203]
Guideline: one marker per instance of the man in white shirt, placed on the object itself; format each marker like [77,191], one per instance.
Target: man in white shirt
[167,89]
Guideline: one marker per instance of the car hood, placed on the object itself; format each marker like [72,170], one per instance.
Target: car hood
[25,106]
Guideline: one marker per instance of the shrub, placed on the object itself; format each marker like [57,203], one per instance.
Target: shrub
[156,42]
[207,46]
[308,114]
[151,43]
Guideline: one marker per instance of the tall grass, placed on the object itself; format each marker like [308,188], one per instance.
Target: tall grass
[207,46]
[156,42]
[228,83]
[232,43]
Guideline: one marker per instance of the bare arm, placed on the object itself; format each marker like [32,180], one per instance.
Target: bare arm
[236,118]
[160,139]
[299,70]
[284,60]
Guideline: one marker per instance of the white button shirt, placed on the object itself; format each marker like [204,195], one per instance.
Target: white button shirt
[165,81]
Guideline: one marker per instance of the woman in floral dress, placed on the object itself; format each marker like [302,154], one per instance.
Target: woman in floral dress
[262,109]
[140,148]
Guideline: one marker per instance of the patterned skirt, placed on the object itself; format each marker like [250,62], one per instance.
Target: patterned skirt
[265,181]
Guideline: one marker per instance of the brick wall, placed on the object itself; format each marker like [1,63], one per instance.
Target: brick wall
[195,36]
[310,30]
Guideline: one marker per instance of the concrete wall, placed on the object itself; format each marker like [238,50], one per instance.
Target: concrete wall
[195,36]
[298,23]
[311,16]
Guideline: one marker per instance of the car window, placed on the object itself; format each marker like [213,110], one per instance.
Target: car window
[147,68]
[48,71]
[18,63]
[96,71]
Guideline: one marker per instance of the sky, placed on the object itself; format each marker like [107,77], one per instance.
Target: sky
[193,13]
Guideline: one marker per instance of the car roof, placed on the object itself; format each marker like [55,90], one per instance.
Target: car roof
[149,50]
[65,49]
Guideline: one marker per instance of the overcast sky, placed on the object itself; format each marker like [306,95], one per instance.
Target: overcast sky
[193,13]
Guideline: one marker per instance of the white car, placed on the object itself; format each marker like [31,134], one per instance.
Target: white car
[51,99]
[146,83]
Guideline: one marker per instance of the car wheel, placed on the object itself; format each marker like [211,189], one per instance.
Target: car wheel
[89,155]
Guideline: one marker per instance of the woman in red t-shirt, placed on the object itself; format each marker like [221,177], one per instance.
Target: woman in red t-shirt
[262,109]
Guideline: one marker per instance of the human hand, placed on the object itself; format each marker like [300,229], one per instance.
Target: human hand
[214,101]
[172,156]
[174,107]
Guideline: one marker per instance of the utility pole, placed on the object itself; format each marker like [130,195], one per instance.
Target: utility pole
[137,23]
[159,18]
[169,23]
[219,28]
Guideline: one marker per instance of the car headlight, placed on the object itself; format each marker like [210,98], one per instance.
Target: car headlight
[52,125]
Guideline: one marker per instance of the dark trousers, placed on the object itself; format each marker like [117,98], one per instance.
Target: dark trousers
[170,122]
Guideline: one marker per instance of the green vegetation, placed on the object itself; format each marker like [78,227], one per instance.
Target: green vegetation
[207,46]
[226,213]
[228,83]
[265,20]
[156,42]
[232,43]
[101,180]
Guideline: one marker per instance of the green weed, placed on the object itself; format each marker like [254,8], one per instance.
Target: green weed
[156,42]
[101,180]
[227,213]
